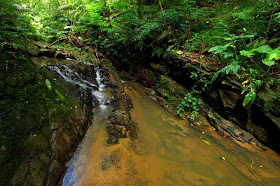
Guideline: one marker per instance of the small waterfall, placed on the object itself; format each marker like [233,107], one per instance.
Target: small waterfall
[71,76]
[98,90]
[100,95]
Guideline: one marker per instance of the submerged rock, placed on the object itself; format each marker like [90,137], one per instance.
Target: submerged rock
[119,123]
[113,159]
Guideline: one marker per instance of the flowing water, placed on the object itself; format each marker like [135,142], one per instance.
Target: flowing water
[79,161]
[168,151]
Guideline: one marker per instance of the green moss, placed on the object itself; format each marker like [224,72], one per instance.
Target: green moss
[270,101]
[27,109]
[170,89]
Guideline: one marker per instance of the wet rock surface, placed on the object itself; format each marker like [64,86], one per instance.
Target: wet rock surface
[225,97]
[119,123]
[43,162]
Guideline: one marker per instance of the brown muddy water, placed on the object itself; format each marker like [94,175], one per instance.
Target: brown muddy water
[168,151]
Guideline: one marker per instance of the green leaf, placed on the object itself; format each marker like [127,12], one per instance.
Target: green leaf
[246,36]
[228,54]
[246,53]
[277,15]
[180,52]
[250,97]
[268,62]
[214,77]
[259,82]
[247,99]
[228,38]
[274,54]
[264,49]
[245,89]
[253,96]
[253,71]
[219,49]
[49,85]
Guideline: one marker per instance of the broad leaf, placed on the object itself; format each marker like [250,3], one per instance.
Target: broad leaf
[246,53]
[268,62]
[264,49]
[274,54]
[247,99]
[228,54]
[250,97]
[219,49]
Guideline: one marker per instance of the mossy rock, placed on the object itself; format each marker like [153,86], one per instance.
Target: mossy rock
[159,68]
[269,101]
[27,109]
[170,89]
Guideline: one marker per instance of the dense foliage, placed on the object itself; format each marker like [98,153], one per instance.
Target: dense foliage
[241,36]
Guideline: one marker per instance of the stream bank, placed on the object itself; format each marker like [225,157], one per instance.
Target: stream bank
[47,106]
[166,151]
[59,100]
[42,122]
[170,79]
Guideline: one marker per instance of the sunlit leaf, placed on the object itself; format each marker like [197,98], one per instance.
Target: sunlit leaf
[222,158]
[249,97]
[228,38]
[206,142]
[264,49]
[249,53]
[49,85]
[268,62]
[274,54]
[245,82]
[180,52]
